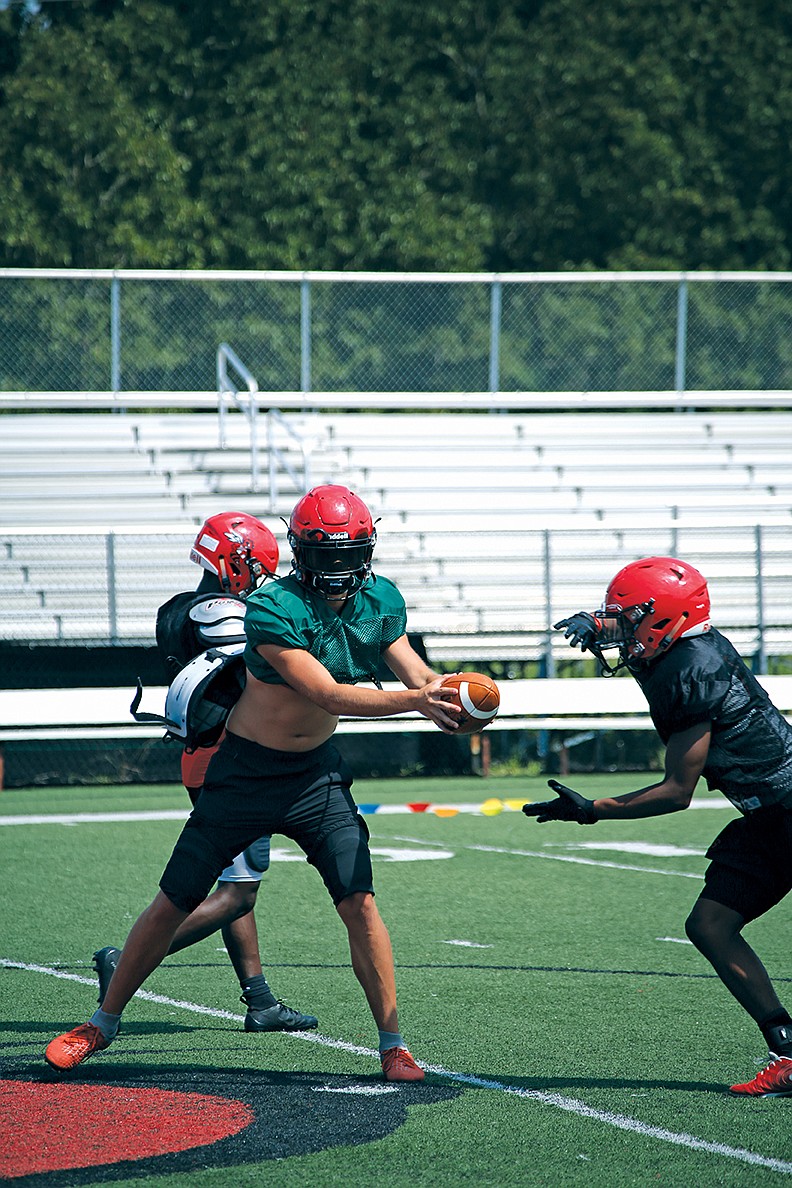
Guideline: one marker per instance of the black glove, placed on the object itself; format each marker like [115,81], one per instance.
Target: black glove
[581,628]
[570,806]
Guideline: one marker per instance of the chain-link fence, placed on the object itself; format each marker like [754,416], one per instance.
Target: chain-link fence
[64,761]
[77,761]
[78,611]
[78,608]
[472,597]
[67,331]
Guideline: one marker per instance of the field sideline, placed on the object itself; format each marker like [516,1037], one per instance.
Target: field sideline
[571,1034]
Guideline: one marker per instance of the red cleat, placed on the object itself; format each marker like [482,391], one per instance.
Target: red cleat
[773,1081]
[398,1065]
[70,1049]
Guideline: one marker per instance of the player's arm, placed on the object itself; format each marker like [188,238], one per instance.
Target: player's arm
[405,663]
[309,677]
[686,754]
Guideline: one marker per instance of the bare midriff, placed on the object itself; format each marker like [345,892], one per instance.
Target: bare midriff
[278,717]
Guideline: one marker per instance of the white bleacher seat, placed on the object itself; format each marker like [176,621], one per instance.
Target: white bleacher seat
[464,499]
[551,704]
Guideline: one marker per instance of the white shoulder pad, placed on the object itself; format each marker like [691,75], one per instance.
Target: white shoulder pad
[192,682]
[219,621]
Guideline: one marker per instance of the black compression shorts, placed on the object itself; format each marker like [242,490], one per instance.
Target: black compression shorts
[250,791]
[750,867]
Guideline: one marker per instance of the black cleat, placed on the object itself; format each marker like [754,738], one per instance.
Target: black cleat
[278,1018]
[104,962]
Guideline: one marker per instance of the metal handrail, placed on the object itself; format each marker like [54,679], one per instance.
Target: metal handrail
[225,389]
[276,458]
[303,482]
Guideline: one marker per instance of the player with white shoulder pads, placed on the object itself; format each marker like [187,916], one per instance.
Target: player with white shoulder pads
[201,639]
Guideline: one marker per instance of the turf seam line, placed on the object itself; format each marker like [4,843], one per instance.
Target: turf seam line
[556,1100]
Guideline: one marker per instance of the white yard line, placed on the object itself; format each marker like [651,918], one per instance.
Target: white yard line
[93,818]
[383,810]
[561,858]
[570,1105]
[680,874]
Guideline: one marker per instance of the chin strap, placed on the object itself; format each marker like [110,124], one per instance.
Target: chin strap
[607,669]
[312,581]
[225,580]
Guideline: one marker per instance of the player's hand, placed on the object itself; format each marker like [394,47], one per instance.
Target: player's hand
[438,703]
[570,806]
[580,629]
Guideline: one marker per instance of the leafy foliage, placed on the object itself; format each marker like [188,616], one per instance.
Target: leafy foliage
[531,134]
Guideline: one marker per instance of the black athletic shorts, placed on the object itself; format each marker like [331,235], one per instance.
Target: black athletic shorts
[750,867]
[250,791]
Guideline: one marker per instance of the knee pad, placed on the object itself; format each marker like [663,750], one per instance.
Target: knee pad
[250,865]
[257,856]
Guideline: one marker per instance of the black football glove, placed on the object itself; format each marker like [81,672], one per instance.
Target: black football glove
[570,806]
[580,629]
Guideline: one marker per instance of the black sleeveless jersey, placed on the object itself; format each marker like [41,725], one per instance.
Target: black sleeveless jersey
[703,679]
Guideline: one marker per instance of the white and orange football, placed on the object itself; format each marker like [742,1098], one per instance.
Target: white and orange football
[479,697]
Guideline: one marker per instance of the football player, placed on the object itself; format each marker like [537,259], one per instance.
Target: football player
[237,553]
[716,721]
[311,637]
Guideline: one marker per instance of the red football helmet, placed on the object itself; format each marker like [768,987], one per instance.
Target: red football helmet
[238,549]
[649,605]
[332,536]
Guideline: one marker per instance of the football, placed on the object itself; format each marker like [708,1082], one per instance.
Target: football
[479,698]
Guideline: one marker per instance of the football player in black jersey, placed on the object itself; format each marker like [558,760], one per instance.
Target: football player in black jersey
[716,721]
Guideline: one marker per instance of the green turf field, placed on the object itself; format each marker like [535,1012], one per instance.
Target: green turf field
[573,1036]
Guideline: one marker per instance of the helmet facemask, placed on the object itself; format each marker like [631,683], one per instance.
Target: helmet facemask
[619,630]
[331,567]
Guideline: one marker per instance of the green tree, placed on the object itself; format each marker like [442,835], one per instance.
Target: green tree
[91,175]
[488,134]
[333,136]
[645,136]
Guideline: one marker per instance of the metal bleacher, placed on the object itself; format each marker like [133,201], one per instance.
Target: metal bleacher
[491,522]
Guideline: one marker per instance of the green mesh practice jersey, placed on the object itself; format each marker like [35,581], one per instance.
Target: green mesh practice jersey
[349,644]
